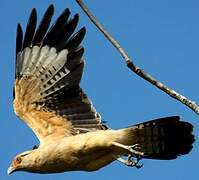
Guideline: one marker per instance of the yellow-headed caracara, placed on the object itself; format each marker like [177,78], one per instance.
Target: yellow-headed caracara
[48,98]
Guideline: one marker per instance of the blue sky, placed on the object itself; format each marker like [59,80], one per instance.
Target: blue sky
[161,36]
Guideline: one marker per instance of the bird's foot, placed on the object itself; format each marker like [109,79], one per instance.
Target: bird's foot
[135,162]
[134,155]
[134,150]
[130,161]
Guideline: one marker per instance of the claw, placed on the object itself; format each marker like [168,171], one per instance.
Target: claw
[136,146]
[135,162]
[135,149]
[130,161]
[138,166]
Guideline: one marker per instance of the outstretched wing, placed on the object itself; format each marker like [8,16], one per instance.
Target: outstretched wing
[49,68]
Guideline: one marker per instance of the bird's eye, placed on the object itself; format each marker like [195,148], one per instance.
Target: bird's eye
[18,160]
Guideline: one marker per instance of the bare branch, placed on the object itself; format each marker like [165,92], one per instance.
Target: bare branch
[129,62]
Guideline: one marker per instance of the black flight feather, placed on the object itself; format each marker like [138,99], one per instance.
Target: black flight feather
[30,29]
[56,28]
[43,26]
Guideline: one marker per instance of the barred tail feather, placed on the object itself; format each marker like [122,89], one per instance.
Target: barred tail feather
[165,138]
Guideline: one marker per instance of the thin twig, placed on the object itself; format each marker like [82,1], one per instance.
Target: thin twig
[191,104]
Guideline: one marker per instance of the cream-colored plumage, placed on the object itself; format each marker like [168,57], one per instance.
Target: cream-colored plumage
[72,136]
[45,124]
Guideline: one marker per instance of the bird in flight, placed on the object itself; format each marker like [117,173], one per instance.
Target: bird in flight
[48,98]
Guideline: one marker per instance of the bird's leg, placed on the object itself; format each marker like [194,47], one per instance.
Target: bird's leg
[133,150]
[130,162]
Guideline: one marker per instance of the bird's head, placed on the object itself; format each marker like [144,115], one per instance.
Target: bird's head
[21,162]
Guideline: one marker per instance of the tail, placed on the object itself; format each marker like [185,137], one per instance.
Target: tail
[165,138]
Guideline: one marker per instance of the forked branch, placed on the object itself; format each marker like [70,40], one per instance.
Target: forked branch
[129,62]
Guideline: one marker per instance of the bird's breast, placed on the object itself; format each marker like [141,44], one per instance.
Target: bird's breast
[73,153]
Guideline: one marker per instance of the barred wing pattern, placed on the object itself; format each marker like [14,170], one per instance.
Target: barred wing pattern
[49,68]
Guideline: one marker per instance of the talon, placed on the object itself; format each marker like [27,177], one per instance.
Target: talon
[136,146]
[130,162]
[139,165]
[135,163]
[135,150]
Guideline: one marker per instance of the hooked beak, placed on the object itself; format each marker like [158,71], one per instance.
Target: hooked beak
[10,170]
